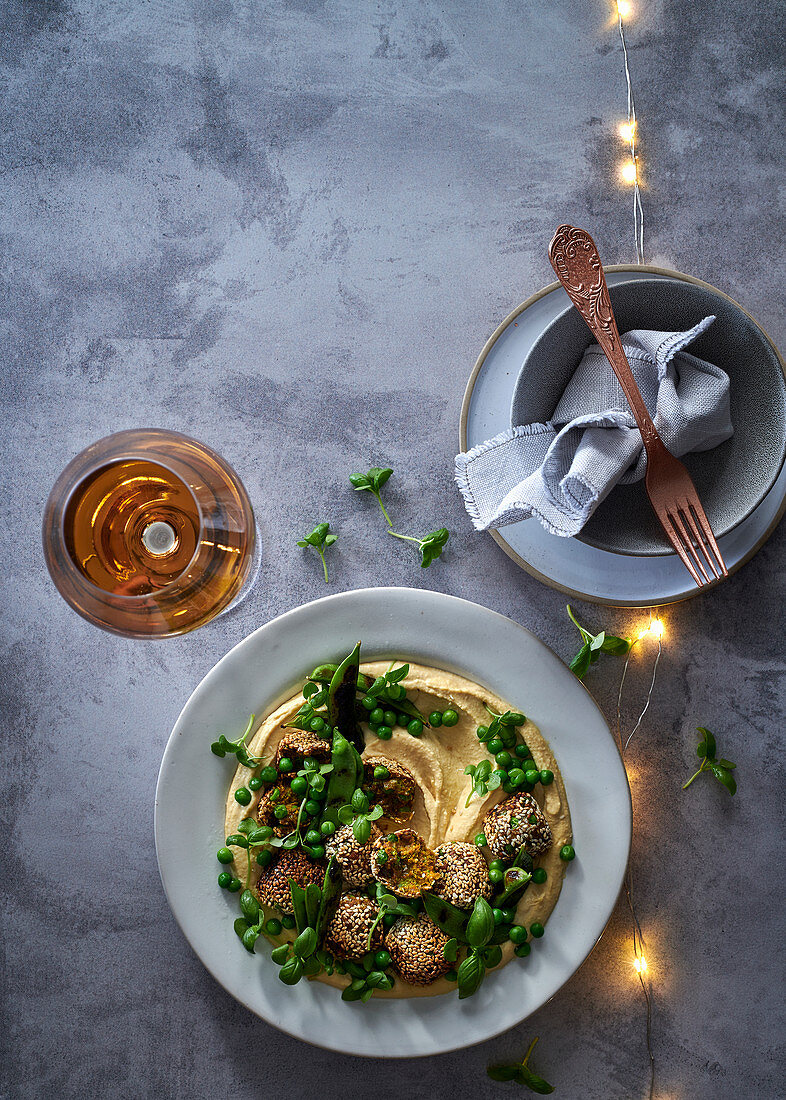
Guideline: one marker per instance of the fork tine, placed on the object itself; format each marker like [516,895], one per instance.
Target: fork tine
[695,526]
[677,517]
[674,539]
[704,525]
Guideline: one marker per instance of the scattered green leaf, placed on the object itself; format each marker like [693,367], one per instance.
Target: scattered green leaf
[430,546]
[320,538]
[721,769]
[593,645]
[521,1074]
[373,482]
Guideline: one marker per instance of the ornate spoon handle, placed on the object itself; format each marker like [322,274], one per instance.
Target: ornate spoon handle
[575,259]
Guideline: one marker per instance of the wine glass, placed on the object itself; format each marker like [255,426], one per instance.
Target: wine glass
[149,533]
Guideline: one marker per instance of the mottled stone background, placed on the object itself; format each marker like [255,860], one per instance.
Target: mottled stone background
[287,229]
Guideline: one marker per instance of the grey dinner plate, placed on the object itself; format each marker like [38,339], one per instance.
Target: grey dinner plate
[731,479]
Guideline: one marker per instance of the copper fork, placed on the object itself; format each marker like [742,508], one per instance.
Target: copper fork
[672,494]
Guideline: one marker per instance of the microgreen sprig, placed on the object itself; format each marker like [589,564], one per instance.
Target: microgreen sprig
[320,539]
[388,904]
[359,819]
[373,481]
[483,780]
[430,546]
[593,645]
[521,1074]
[721,769]
[237,748]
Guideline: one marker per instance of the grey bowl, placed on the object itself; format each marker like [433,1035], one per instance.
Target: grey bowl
[731,479]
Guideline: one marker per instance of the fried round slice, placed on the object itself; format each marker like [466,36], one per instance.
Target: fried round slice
[416,948]
[395,793]
[272,887]
[463,875]
[280,795]
[404,863]
[298,744]
[353,859]
[347,935]
[515,821]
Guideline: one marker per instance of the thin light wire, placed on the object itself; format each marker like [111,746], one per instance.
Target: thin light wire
[638,937]
[638,212]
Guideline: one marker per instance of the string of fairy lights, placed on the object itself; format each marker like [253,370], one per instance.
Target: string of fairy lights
[630,168]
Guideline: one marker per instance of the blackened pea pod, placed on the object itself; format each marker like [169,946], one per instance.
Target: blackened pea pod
[516,882]
[448,918]
[331,888]
[524,860]
[341,699]
[298,895]
[313,899]
[323,674]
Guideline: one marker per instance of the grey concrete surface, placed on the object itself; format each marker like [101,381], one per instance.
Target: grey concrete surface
[287,229]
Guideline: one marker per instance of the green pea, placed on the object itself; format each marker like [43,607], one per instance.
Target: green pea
[255,782]
[504,758]
[529,765]
[508,787]
[384,733]
[327,828]
[508,915]
[273,927]
[285,764]
[567,852]
[381,772]
[508,738]
[223,855]
[518,934]
[522,950]
[288,922]
[265,857]
[546,776]
[494,745]
[234,885]
[539,875]
[396,692]
[496,865]
[368,702]
[377,716]
[450,717]
[480,840]
[310,764]
[452,975]
[243,796]
[522,751]
[268,774]
[403,720]
[389,919]
[299,784]
[317,724]
[482,733]
[313,837]
[390,718]
[224,879]
[498,917]
[279,812]
[275,795]
[312,807]
[382,857]
[503,775]
[317,851]
[496,876]
[415,727]
[382,959]
[536,930]
[532,776]
[533,819]
[435,719]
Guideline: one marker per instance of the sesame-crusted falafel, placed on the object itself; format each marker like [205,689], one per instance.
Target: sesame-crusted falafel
[463,874]
[394,793]
[348,932]
[515,821]
[280,795]
[298,744]
[353,859]
[416,946]
[272,887]
[404,863]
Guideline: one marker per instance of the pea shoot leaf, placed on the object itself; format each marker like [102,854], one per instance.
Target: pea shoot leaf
[372,481]
[722,769]
[593,645]
[320,538]
[521,1073]
[430,545]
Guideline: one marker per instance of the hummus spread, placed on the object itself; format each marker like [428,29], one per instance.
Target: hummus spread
[437,761]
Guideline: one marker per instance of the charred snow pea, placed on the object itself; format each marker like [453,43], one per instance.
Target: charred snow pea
[341,699]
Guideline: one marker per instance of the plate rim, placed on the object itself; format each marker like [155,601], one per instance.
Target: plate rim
[464,418]
[445,599]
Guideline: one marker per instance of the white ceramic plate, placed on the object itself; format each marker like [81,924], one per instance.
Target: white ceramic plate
[434,629]
[574,567]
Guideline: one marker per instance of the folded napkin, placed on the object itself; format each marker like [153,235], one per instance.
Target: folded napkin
[560,472]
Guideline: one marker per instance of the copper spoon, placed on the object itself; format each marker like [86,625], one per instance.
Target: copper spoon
[672,494]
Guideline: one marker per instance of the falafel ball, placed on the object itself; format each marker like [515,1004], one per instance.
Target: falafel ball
[348,931]
[395,793]
[353,859]
[272,887]
[404,863]
[463,874]
[515,821]
[280,795]
[416,946]
[298,744]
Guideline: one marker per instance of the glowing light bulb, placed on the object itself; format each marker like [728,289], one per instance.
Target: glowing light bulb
[627,131]
[624,8]
[656,628]
[640,964]
[628,171]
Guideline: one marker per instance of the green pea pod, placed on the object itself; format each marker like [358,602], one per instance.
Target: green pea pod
[523,860]
[323,674]
[448,918]
[347,768]
[341,699]
[480,926]
[249,906]
[313,899]
[298,895]
[306,943]
[331,888]
[292,971]
[470,974]
[516,882]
